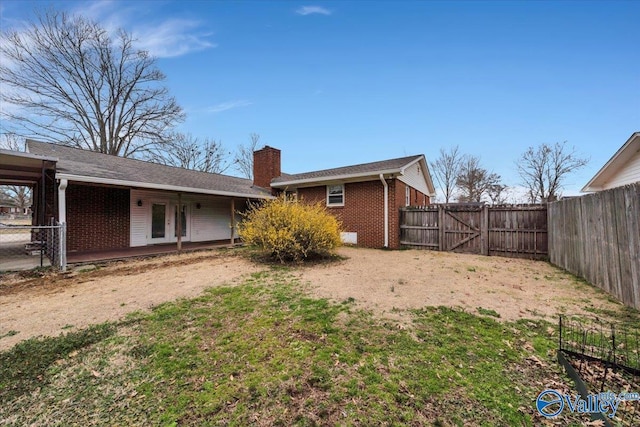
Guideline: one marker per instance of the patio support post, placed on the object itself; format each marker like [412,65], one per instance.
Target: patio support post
[233,220]
[386,210]
[179,221]
[41,207]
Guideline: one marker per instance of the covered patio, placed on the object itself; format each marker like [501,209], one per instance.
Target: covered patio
[34,171]
[143,251]
[30,243]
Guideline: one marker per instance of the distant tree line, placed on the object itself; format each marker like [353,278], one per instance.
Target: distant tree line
[542,170]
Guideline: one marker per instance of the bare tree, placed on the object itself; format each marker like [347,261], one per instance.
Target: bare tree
[243,158]
[185,151]
[20,195]
[473,181]
[11,141]
[497,194]
[67,80]
[543,169]
[446,169]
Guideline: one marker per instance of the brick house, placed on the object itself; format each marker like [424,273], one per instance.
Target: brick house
[110,202]
[365,197]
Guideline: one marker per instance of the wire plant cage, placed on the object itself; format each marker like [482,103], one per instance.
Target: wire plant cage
[603,357]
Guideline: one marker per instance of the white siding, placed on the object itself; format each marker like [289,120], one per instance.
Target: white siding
[414,177]
[628,174]
[211,221]
[139,219]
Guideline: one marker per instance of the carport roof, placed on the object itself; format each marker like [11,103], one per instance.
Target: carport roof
[86,166]
[18,168]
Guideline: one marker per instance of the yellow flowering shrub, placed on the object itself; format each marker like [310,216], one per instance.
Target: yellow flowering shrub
[289,230]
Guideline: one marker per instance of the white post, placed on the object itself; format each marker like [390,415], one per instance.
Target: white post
[386,210]
[62,233]
[178,217]
[62,222]
[233,220]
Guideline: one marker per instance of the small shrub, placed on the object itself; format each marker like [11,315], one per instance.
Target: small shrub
[290,230]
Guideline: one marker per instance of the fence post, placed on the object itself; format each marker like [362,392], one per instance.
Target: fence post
[441,234]
[484,230]
[560,334]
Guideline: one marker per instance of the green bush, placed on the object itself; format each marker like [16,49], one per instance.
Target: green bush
[290,230]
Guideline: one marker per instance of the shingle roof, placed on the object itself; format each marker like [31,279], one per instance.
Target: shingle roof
[615,165]
[373,168]
[98,167]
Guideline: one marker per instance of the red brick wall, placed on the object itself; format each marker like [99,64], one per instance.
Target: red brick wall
[416,198]
[97,218]
[266,166]
[363,210]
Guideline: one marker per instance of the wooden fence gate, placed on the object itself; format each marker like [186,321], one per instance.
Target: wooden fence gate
[512,231]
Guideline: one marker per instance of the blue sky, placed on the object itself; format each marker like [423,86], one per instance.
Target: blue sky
[335,83]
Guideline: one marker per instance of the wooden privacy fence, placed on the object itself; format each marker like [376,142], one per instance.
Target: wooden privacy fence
[597,237]
[512,231]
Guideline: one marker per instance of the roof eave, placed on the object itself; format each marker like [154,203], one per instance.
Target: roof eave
[427,176]
[27,155]
[620,157]
[345,177]
[154,186]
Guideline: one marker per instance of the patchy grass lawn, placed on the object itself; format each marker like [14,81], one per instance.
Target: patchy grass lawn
[265,353]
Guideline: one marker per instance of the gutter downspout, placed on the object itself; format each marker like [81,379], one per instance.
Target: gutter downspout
[62,221]
[62,201]
[386,210]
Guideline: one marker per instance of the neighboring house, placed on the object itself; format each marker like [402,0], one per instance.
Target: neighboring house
[8,206]
[110,202]
[623,168]
[365,197]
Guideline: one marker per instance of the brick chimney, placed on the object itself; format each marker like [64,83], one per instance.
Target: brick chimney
[266,166]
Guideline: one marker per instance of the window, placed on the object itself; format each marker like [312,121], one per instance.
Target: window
[407,196]
[335,195]
[158,215]
[291,195]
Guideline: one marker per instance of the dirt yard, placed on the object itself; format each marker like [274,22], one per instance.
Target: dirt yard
[386,282]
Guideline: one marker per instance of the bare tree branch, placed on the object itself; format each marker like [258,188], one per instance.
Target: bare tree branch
[446,169]
[243,158]
[543,169]
[497,194]
[68,81]
[186,151]
[20,195]
[473,181]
